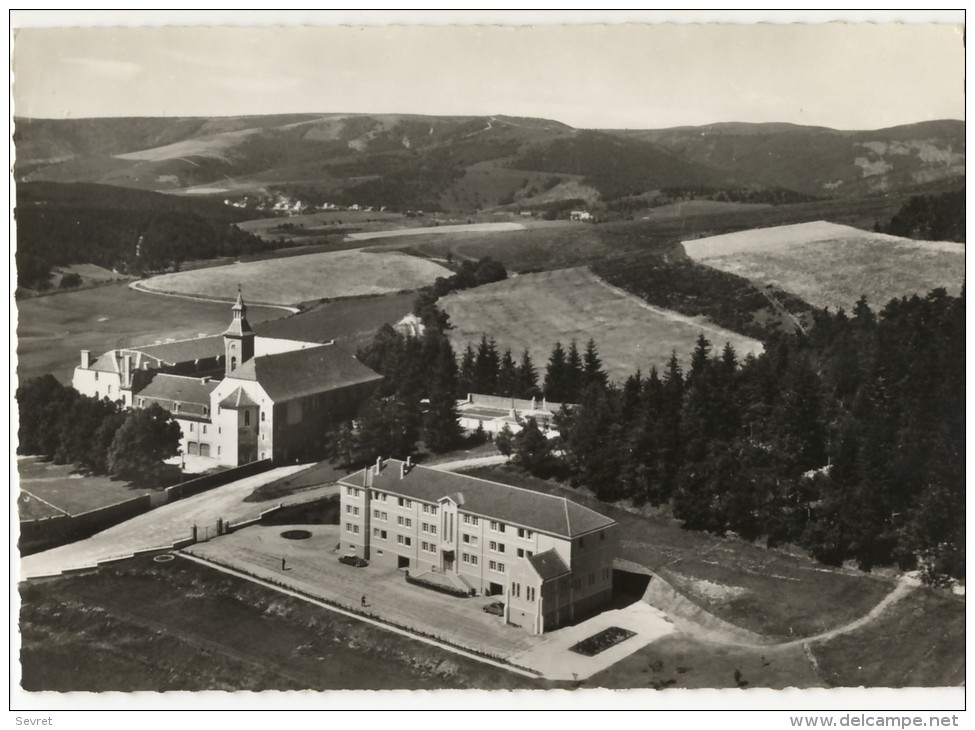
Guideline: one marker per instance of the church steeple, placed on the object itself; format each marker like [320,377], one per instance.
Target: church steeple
[238,340]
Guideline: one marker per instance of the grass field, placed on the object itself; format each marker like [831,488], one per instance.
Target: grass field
[679,661]
[917,642]
[48,489]
[352,323]
[829,265]
[308,278]
[52,330]
[769,592]
[534,310]
[180,626]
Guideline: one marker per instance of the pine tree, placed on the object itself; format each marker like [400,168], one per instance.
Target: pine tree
[486,366]
[527,377]
[507,376]
[465,380]
[555,376]
[592,366]
[574,375]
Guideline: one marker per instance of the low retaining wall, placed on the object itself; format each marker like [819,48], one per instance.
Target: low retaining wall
[38,535]
[218,479]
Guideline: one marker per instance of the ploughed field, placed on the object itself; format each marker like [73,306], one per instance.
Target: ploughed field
[830,265]
[290,281]
[534,310]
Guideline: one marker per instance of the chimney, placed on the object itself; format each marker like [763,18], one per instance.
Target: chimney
[379,464]
[409,462]
[126,370]
[86,359]
[402,469]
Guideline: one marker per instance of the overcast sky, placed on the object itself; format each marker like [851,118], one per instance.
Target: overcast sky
[849,76]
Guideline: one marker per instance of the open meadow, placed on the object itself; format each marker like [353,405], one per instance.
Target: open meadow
[830,265]
[532,311]
[51,330]
[298,279]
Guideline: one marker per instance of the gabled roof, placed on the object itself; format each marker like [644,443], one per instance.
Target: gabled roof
[171,353]
[549,565]
[512,505]
[288,375]
[183,397]
[237,399]
[179,388]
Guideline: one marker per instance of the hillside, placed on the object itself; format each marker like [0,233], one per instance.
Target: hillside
[113,227]
[469,164]
[820,161]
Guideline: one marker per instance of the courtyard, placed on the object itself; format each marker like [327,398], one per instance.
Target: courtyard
[311,566]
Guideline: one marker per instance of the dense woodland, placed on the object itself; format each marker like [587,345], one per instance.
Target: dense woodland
[97,435]
[848,440]
[931,218]
[132,231]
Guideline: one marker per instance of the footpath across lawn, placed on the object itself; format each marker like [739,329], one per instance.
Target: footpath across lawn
[773,593]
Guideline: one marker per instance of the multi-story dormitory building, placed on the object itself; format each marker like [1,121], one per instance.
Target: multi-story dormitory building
[550,558]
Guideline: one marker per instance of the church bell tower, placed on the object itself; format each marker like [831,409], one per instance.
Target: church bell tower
[238,340]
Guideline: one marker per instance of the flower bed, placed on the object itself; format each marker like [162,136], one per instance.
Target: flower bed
[602,641]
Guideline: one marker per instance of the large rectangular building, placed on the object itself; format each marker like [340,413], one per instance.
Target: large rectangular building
[548,557]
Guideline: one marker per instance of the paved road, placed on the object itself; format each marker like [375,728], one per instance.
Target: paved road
[470,463]
[161,527]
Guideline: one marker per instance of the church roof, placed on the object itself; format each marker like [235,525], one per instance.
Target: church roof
[239,326]
[298,373]
[237,399]
[172,353]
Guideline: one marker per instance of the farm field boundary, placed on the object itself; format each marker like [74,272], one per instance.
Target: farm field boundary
[830,265]
[532,311]
[293,280]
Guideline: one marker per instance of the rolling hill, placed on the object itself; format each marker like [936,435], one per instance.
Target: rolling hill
[479,163]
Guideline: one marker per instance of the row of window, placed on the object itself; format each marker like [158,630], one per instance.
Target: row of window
[529,591]
[351,510]
[429,547]
[352,527]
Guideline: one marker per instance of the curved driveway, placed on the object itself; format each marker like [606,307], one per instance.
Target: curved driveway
[163,526]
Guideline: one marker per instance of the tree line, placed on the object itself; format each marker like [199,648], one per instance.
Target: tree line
[133,231]
[930,217]
[848,441]
[97,435]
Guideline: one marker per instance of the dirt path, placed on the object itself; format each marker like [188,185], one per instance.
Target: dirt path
[139,286]
[719,632]
[470,463]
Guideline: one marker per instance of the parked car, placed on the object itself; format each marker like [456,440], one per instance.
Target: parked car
[354,560]
[495,607]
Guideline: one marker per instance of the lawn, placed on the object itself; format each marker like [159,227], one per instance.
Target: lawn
[679,661]
[352,323]
[917,642]
[532,311]
[142,625]
[51,330]
[769,592]
[298,279]
[68,491]
[832,266]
